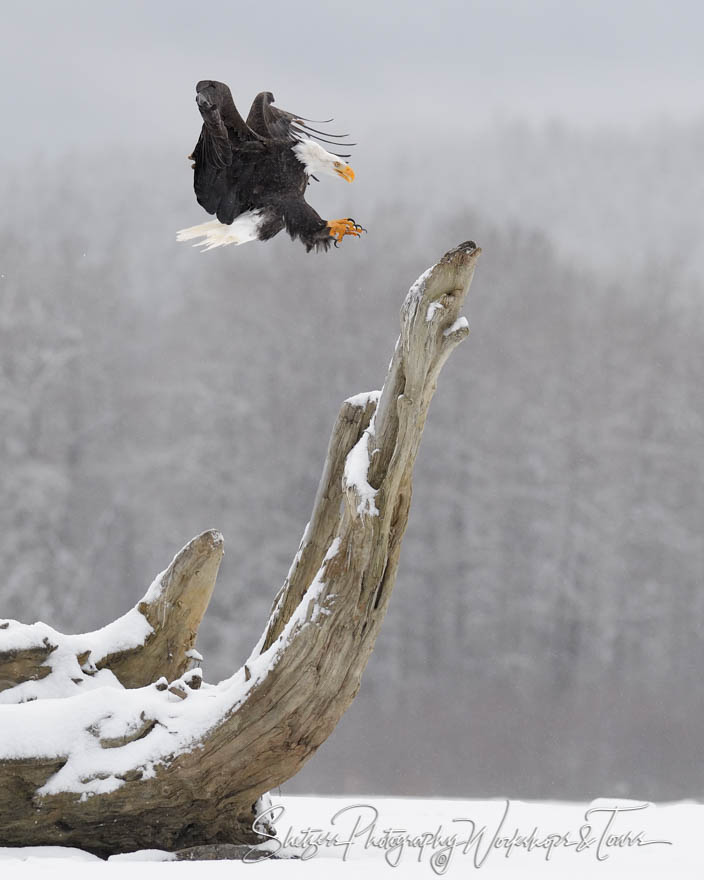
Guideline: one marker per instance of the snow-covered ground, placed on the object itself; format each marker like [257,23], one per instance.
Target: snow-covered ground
[406,837]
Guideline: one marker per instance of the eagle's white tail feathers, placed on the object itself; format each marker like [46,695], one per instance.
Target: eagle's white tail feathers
[216,234]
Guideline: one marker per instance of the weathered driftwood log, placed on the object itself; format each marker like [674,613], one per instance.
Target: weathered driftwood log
[171,763]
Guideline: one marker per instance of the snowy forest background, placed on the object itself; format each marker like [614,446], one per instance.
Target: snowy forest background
[546,635]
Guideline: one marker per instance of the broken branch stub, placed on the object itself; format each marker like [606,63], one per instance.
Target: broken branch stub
[155,638]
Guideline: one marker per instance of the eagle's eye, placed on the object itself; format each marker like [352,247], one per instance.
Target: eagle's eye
[337,165]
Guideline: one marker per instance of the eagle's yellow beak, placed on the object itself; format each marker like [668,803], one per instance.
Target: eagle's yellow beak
[346,172]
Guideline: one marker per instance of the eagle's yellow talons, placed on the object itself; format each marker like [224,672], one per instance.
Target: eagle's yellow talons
[340,228]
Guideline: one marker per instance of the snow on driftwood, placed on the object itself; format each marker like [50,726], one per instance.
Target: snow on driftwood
[107,736]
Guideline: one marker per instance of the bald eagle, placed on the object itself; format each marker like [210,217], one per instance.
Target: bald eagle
[253,175]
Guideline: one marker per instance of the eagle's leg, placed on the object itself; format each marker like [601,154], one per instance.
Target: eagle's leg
[338,229]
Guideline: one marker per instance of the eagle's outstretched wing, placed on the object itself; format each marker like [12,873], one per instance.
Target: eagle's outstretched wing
[272,122]
[219,157]
[269,121]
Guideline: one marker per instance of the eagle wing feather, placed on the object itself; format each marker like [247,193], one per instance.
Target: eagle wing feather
[220,156]
[273,122]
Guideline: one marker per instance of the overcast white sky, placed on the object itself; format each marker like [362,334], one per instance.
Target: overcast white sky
[89,73]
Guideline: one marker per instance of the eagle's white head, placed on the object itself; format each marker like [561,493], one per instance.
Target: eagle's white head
[316,161]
